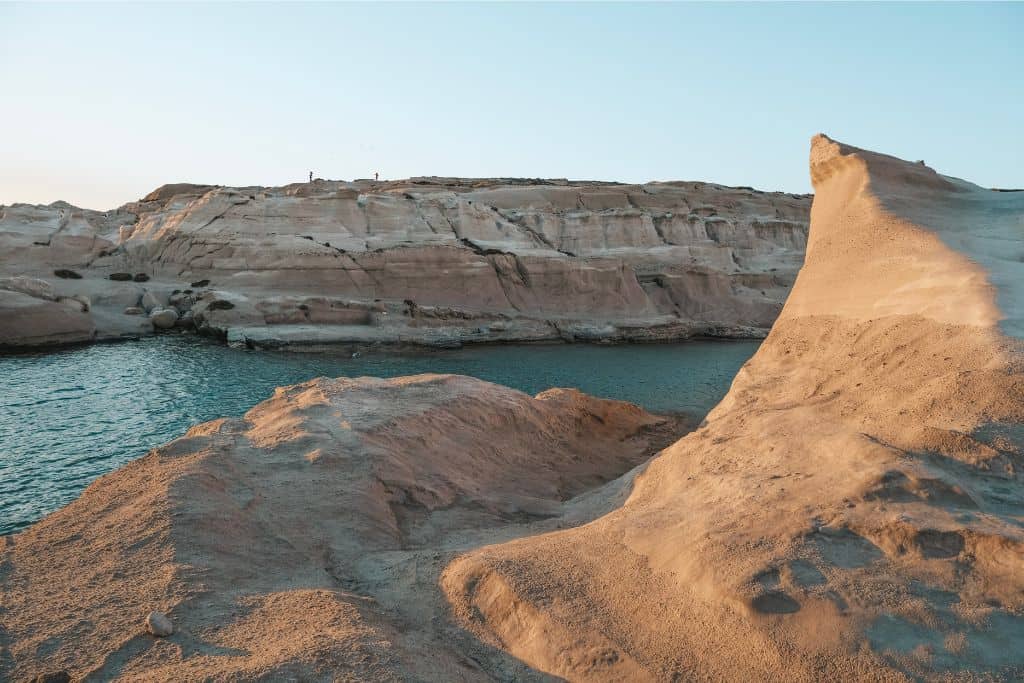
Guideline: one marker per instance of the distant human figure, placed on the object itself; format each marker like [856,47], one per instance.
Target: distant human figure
[376,176]
[310,176]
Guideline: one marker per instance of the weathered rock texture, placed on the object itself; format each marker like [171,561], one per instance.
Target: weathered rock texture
[434,260]
[305,541]
[853,509]
[31,314]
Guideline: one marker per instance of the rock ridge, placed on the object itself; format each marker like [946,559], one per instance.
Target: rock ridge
[494,259]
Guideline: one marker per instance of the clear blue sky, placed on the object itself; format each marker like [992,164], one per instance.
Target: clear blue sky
[101,103]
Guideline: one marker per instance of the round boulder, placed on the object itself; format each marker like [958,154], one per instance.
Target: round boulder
[163,318]
[159,625]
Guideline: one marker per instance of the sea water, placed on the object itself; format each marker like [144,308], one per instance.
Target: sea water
[70,416]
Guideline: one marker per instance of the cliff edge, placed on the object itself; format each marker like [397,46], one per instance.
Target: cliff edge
[428,261]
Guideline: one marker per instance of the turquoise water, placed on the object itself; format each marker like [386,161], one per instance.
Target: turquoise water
[69,416]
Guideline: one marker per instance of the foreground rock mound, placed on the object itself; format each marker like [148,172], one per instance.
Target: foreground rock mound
[854,508]
[305,540]
[435,261]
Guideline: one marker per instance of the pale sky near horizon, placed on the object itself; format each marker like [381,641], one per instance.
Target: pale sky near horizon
[99,104]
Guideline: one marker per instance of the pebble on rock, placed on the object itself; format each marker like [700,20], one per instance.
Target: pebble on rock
[159,625]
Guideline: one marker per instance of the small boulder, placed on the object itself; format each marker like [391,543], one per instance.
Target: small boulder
[120,277]
[163,318]
[201,283]
[67,274]
[141,277]
[53,677]
[133,310]
[159,625]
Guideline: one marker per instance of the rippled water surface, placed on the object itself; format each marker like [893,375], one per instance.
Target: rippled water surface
[70,416]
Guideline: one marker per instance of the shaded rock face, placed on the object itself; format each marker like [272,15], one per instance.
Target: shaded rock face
[32,314]
[542,259]
[852,510]
[305,540]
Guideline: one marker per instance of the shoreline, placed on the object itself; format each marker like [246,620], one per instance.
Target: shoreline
[381,345]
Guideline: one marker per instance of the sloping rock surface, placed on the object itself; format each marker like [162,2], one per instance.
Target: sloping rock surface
[853,509]
[305,540]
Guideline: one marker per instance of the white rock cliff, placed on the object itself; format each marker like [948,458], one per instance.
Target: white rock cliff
[438,261]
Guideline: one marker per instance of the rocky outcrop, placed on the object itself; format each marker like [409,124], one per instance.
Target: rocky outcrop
[32,314]
[852,509]
[305,540]
[439,261]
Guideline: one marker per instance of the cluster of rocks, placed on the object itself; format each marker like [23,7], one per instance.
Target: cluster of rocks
[165,313]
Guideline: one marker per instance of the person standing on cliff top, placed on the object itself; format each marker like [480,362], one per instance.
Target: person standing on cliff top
[310,176]
[376,175]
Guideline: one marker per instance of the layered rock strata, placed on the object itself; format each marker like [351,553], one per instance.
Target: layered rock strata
[439,261]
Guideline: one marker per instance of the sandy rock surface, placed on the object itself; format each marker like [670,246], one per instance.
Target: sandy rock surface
[305,540]
[434,261]
[853,509]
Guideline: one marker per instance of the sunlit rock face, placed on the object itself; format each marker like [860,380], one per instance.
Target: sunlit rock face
[304,540]
[852,510]
[444,260]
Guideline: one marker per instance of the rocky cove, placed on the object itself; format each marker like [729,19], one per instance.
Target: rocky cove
[851,509]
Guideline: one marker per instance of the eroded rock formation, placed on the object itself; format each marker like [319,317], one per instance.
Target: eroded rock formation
[305,540]
[853,509]
[432,260]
